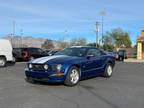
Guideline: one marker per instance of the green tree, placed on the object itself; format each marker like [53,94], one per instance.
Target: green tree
[118,38]
[48,44]
[78,42]
[108,42]
[91,44]
[81,42]
[73,42]
[127,40]
[108,47]
[62,45]
[108,39]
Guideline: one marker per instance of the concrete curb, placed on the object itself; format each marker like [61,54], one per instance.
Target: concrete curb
[134,60]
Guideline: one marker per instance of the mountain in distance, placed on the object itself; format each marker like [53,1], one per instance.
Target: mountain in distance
[27,41]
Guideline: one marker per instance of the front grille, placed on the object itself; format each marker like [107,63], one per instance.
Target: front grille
[37,67]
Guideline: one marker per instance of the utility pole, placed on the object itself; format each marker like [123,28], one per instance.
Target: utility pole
[65,37]
[103,13]
[66,34]
[97,30]
[14,28]
[21,34]
[13,32]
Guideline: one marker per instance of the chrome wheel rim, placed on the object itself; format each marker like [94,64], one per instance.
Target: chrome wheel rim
[74,76]
[109,70]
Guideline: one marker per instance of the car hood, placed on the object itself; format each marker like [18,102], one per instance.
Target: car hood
[55,59]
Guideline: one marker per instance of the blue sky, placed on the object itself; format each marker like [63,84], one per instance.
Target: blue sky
[51,18]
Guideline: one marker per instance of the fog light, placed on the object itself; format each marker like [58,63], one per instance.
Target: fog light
[46,67]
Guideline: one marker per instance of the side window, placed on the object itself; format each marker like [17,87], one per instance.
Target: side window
[94,52]
[98,53]
[91,52]
[34,50]
[102,52]
[40,50]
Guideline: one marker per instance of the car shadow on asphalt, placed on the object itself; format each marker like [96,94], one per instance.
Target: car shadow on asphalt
[59,83]
[44,83]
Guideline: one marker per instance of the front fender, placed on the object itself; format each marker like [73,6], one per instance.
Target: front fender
[109,60]
[68,67]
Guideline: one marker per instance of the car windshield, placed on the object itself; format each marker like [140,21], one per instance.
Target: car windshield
[79,52]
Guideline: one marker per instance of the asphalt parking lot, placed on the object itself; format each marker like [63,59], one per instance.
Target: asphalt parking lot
[125,89]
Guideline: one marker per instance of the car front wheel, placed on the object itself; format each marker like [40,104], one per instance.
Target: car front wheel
[72,77]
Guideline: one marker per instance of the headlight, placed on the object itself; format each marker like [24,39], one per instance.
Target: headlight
[57,67]
[30,66]
[46,67]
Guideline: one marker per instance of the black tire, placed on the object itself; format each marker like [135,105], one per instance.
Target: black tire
[121,59]
[2,61]
[108,70]
[14,60]
[68,81]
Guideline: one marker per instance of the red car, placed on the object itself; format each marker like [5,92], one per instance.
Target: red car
[29,53]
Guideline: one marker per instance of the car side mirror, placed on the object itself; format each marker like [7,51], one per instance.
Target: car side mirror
[50,54]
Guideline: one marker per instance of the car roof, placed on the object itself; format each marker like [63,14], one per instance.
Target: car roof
[27,48]
[82,47]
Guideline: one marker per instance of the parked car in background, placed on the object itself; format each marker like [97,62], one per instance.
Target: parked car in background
[71,65]
[122,54]
[113,53]
[17,53]
[52,52]
[5,52]
[29,53]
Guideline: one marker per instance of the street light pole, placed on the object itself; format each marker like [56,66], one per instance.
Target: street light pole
[102,28]
[103,13]
[97,30]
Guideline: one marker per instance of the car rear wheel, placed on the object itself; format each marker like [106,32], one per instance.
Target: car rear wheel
[72,77]
[108,70]
[2,62]
[14,60]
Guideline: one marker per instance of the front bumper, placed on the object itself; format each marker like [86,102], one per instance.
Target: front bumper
[43,76]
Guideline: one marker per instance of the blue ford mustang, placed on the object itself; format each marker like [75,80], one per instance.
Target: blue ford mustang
[71,65]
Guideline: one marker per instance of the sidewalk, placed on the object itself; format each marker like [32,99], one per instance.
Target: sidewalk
[134,60]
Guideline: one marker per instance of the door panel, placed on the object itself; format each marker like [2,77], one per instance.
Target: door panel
[92,65]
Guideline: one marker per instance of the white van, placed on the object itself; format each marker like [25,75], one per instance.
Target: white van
[5,52]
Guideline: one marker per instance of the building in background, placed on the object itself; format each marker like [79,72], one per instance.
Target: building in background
[140,46]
